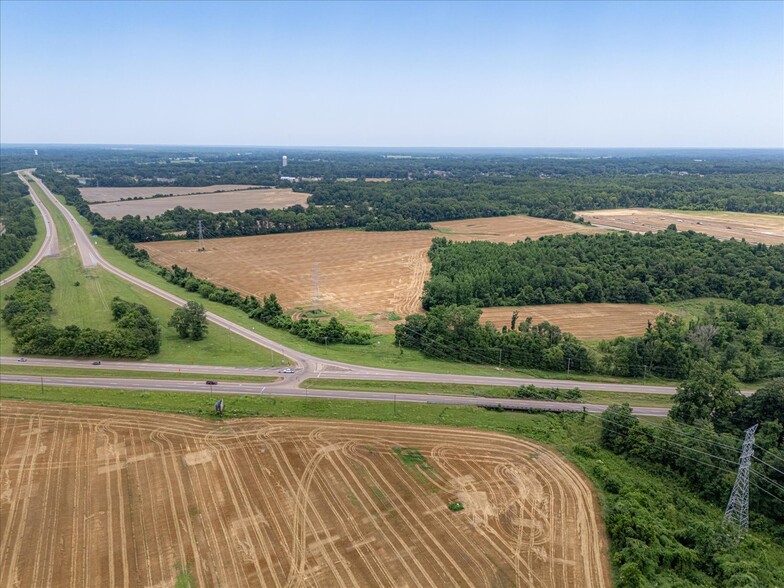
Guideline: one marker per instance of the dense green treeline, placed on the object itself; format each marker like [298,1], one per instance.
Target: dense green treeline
[28,316]
[745,341]
[438,199]
[17,219]
[201,166]
[428,188]
[612,267]
[454,333]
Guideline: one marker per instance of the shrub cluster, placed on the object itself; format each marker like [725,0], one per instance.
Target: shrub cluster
[137,334]
[537,393]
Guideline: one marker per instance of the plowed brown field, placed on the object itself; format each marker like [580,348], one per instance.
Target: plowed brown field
[213,202]
[103,497]
[361,272]
[755,228]
[585,321]
[114,194]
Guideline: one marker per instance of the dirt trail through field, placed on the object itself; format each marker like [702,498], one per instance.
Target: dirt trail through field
[105,497]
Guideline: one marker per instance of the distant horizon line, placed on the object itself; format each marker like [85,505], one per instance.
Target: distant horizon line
[381,147]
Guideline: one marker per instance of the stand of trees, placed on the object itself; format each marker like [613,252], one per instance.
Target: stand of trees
[268,311]
[612,267]
[713,433]
[17,219]
[137,334]
[745,341]
[453,332]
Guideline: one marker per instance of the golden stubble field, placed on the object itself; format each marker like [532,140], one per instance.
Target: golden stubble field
[108,497]
[369,274]
[114,194]
[755,228]
[212,202]
[589,320]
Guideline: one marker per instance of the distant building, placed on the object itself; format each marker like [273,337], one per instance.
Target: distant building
[36,151]
[285,161]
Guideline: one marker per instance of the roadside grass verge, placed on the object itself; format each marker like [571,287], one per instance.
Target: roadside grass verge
[588,396]
[97,372]
[88,305]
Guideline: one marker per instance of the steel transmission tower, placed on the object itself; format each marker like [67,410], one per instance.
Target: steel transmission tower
[737,513]
[201,237]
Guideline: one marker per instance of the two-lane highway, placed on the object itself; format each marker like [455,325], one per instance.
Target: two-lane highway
[283,390]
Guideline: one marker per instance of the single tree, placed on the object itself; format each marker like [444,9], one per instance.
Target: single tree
[706,393]
[190,321]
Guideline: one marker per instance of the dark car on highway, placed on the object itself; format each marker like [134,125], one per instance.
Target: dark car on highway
[211,383]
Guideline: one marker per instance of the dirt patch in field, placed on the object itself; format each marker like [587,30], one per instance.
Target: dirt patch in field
[755,228]
[585,321]
[106,497]
[114,194]
[369,274]
[213,202]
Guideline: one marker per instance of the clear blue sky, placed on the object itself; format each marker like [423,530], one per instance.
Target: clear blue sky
[575,74]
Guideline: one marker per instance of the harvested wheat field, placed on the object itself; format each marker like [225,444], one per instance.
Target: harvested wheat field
[213,202]
[364,273]
[590,320]
[107,497]
[114,194]
[755,228]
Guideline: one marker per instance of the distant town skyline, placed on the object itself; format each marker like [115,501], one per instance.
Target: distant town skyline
[492,75]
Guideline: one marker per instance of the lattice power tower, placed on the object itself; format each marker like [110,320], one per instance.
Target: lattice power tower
[737,513]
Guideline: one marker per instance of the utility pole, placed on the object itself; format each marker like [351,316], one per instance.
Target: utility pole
[201,237]
[737,513]
[568,365]
[500,351]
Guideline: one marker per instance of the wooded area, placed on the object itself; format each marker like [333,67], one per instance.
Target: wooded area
[18,221]
[613,267]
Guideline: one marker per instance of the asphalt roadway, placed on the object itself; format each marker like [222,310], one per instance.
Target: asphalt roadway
[307,366]
[49,247]
[282,389]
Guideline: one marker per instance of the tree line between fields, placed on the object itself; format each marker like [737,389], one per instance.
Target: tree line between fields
[414,204]
[18,221]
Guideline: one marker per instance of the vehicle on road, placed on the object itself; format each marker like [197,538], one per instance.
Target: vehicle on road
[22,359]
[96,363]
[211,383]
[287,371]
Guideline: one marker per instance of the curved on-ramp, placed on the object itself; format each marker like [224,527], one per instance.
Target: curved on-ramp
[49,245]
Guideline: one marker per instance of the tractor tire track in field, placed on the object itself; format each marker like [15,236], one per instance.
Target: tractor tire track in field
[127,498]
